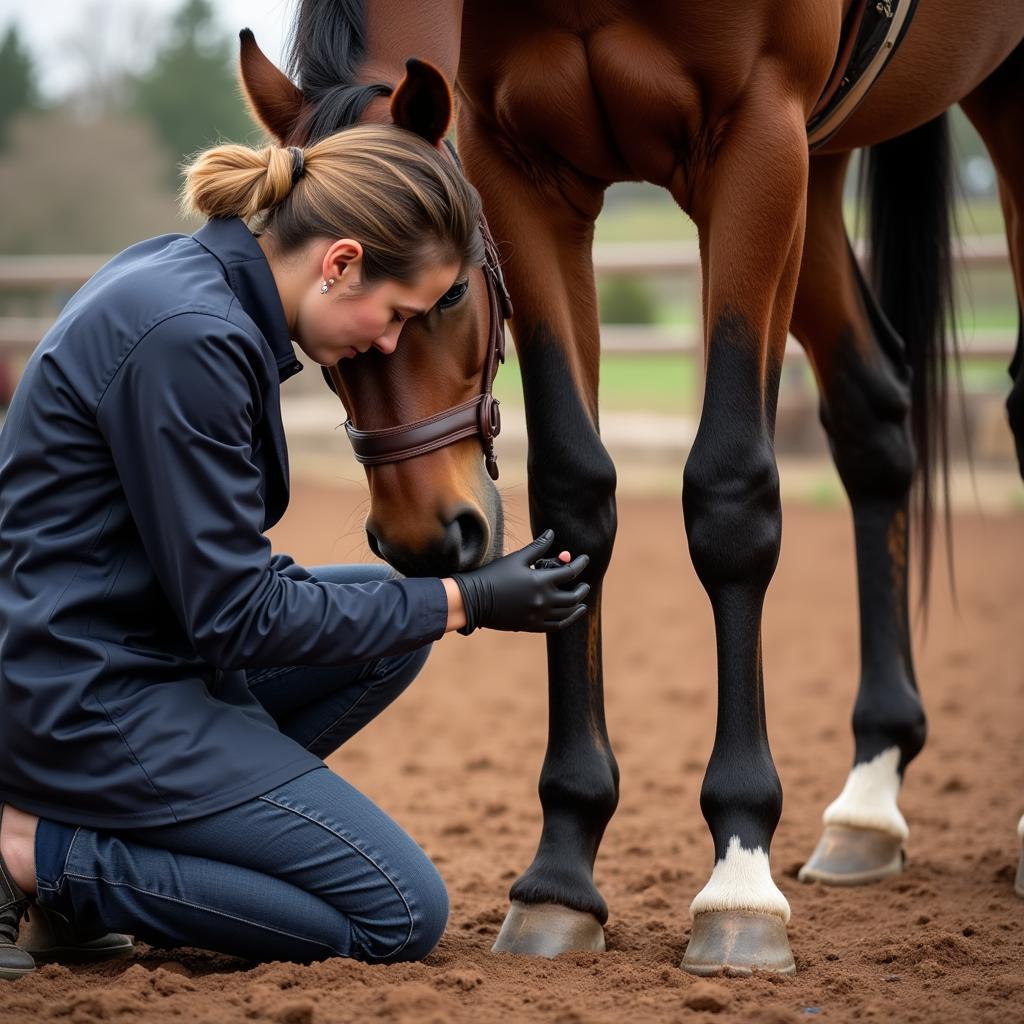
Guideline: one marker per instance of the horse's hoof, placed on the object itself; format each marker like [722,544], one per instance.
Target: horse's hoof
[1019,886]
[547,929]
[736,943]
[853,856]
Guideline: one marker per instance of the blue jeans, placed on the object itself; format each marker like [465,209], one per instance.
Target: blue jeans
[309,870]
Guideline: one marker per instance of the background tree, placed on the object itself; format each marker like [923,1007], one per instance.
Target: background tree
[18,90]
[190,94]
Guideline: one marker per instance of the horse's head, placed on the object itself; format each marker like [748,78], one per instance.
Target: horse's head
[421,419]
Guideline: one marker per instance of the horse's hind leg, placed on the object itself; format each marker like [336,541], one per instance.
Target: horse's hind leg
[996,109]
[865,400]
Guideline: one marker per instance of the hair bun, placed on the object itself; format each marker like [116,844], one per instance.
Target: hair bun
[238,181]
[404,200]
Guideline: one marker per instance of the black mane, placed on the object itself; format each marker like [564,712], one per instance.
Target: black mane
[326,46]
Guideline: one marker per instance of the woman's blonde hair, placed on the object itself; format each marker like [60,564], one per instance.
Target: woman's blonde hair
[404,200]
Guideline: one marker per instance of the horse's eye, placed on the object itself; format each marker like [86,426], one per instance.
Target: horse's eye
[453,295]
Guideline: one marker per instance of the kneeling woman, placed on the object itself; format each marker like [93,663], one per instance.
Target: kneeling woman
[169,687]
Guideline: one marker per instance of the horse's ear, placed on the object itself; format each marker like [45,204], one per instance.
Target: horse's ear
[422,101]
[275,101]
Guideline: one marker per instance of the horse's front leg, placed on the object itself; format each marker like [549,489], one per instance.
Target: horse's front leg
[545,238]
[750,213]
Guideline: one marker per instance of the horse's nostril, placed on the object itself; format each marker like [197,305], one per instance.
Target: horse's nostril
[466,540]
[462,545]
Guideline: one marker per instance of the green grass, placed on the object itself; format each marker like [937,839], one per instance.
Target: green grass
[825,492]
[659,384]
[666,384]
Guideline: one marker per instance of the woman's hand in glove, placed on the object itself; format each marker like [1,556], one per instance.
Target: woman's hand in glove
[511,594]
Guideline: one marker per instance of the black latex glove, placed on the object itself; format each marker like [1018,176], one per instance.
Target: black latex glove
[509,594]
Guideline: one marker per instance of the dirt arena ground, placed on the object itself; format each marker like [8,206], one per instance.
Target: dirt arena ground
[456,761]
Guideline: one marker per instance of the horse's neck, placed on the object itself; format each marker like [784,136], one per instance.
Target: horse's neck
[396,31]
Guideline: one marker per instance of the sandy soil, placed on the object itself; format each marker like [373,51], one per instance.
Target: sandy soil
[456,762]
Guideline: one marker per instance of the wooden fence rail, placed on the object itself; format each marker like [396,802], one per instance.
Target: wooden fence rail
[55,278]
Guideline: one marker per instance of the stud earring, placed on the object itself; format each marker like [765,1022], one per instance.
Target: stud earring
[326,285]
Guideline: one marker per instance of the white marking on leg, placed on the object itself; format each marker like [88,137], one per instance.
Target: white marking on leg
[868,799]
[742,880]
[1020,829]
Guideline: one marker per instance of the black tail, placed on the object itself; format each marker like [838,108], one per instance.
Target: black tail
[908,188]
[326,46]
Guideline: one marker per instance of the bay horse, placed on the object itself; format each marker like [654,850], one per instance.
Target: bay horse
[556,101]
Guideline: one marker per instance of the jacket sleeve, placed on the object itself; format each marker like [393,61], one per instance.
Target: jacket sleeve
[287,565]
[179,417]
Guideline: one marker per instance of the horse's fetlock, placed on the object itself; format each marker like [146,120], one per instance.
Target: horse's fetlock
[738,791]
[887,717]
[590,788]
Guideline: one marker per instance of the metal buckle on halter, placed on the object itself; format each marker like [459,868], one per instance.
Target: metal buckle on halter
[489,419]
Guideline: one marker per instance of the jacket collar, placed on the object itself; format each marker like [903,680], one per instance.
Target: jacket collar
[250,278]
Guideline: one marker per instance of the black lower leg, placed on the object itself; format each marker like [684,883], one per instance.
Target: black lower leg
[733,525]
[865,410]
[572,491]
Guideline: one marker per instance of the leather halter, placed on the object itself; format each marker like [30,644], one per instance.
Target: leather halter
[479,415]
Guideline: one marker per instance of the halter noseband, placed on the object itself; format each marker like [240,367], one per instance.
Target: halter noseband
[479,415]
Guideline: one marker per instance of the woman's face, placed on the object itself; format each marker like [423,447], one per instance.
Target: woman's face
[353,317]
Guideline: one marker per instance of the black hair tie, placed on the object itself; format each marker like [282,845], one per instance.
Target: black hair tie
[298,163]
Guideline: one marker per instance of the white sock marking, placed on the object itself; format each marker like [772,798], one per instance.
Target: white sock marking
[868,799]
[741,881]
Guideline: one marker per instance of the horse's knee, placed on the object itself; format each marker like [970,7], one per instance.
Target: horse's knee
[733,514]
[732,509]
[731,484]
[572,476]
[575,496]
[585,783]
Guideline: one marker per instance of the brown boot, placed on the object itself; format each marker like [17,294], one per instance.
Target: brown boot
[14,962]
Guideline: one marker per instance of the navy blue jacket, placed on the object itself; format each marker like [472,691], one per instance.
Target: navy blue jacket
[141,460]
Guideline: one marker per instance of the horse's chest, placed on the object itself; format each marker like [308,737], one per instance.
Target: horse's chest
[615,104]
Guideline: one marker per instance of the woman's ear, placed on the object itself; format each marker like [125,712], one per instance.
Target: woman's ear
[343,261]
[273,100]
[422,101]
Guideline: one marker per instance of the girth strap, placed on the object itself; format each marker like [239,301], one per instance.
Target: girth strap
[871,33]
